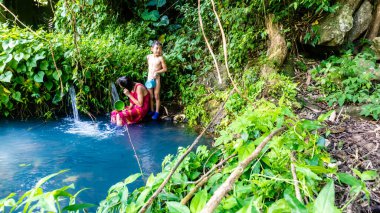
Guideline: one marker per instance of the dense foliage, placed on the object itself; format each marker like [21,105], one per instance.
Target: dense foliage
[89,48]
[351,79]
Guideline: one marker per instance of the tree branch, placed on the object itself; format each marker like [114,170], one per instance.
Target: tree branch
[228,184]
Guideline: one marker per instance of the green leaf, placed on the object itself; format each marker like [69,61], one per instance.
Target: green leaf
[348,179]
[158,3]
[43,180]
[279,206]
[153,15]
[17,96]
[307,173]
[369,175]
[161,3]
[21,68]
[48,85]
[295,204]
[164,21]
[177,207]
[341,100]
[150,180]
[48,203]
[325,116]
[198,201]
[325,199]
[6,77]
[57,75]
[44,65]
[77,207]
[131,178]
[39,77]
[245,151]
[19,56]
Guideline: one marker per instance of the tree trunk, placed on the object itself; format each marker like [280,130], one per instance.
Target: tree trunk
[374,29]
[277,50]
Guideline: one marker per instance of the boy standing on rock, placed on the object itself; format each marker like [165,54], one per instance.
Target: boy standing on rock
[156,66]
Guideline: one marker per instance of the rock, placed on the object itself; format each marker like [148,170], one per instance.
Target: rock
[376,47]
[332,116]
[334,27]
[362,19]
[179,118]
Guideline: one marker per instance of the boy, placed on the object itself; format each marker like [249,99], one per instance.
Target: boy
[156,66]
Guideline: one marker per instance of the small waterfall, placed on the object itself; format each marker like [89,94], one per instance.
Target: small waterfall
[74,103]
[115,95]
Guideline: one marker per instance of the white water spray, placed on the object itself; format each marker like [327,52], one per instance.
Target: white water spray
[115,95]
[74,103]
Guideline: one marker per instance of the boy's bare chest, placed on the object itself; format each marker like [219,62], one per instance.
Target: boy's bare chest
[154,62]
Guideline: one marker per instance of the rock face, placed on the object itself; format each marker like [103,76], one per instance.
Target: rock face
[362,19]
[335,27]
[376,47]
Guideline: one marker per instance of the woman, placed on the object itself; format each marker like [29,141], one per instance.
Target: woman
[139,103]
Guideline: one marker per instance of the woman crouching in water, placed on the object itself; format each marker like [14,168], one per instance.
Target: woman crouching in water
[139,103]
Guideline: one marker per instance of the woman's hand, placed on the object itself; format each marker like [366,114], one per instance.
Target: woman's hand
[126,92]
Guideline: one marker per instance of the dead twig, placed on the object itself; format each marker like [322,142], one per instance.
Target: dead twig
[295,179]
[238,171]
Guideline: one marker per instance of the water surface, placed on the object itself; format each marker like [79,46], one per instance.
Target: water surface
[97,155]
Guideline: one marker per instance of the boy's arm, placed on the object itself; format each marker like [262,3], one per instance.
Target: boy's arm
[163,64]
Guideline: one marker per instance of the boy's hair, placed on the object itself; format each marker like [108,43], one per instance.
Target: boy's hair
[156,42]
[125,82]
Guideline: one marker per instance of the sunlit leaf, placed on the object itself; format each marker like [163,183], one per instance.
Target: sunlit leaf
[177,207]
[39,77]
[198,201]
[132,178]
[325,199]
[6,77]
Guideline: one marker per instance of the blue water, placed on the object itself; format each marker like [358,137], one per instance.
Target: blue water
[97,155]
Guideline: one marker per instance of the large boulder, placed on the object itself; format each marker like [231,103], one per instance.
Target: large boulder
[362,19]
[334,27]
[376,47]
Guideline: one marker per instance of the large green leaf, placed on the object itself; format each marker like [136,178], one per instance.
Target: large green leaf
[295,204]
[177,207]
[39,77]
[131,178]
[6,77]
[325,199]
[198,201]
[348,179]
[153,15]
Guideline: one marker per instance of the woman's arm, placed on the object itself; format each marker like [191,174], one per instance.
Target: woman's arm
[140,96]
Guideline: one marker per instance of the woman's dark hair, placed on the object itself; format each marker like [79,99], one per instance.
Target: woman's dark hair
[125,82]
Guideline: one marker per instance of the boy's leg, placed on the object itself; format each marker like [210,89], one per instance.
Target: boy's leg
[151,94]
[157,94]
